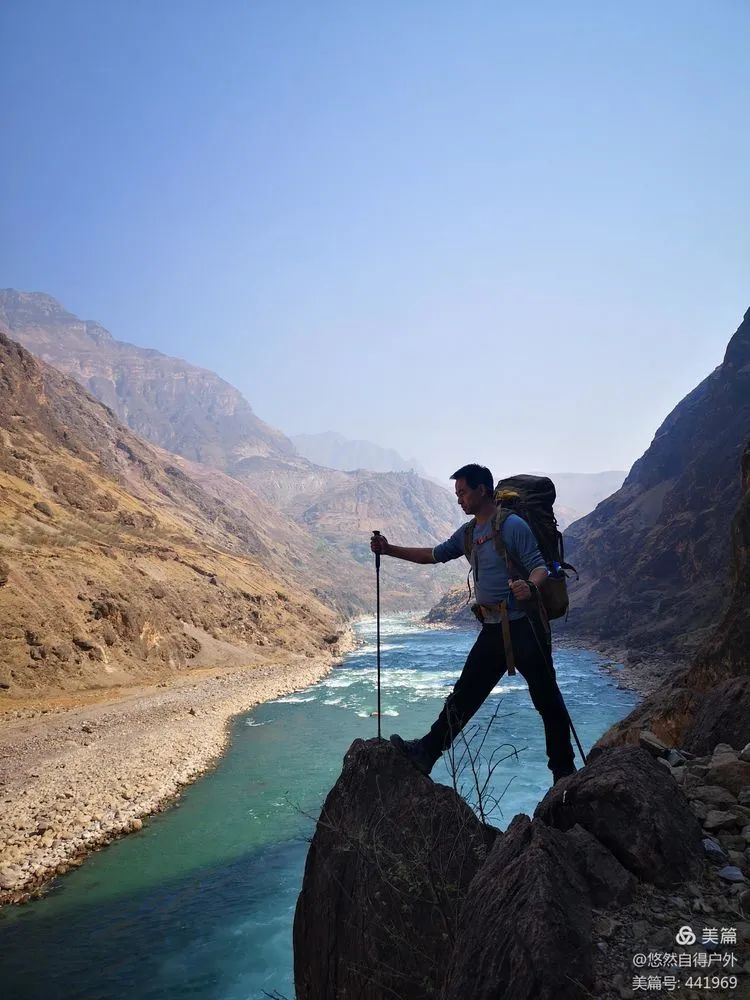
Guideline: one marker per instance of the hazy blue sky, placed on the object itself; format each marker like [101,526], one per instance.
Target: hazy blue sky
[516,232]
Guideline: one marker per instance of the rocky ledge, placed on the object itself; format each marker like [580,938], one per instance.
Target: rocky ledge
[407,894]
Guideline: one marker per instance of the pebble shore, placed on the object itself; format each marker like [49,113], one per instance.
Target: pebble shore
[72,780]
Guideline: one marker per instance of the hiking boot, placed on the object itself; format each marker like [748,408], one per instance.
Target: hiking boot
[562,772]
[422,758]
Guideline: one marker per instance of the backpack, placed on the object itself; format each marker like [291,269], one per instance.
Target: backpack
[532,498]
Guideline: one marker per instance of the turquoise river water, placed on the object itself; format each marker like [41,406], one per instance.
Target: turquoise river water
[200,903]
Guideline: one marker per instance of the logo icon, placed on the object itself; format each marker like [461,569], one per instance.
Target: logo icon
[685,935]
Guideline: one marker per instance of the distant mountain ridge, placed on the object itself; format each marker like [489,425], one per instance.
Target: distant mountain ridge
[185,409]
[195,414]
[333,450]
[582,491]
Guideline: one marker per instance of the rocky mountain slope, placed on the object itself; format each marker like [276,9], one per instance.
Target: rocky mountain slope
[654,557]
[203,419]
[709,700]
[115,565]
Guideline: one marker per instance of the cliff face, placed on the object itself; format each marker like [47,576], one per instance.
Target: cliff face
[710,699]
[116,565]
[654,557]
[198,416]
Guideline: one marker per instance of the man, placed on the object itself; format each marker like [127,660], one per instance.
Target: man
[487,662]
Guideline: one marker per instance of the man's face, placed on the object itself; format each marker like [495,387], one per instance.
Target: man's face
[470,500]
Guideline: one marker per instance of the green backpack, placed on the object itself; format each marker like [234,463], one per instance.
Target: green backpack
[532,498]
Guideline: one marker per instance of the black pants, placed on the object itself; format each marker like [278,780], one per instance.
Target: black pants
[484,667]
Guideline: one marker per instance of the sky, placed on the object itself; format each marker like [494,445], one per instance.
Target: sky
[501,232]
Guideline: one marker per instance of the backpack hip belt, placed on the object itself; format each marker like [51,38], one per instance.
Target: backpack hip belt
[502,607]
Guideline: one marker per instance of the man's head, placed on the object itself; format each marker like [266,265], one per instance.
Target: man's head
[475,487]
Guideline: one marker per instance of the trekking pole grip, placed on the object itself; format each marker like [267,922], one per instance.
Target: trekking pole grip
[376,534]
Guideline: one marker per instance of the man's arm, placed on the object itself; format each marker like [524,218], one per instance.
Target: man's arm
[522,541]
[381,544]
[414,555]
[450,549]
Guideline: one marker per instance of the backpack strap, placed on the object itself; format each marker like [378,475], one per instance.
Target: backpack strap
[503,513]
[469,538]
[468,551]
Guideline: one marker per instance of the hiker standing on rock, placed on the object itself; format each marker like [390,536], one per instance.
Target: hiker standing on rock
[508,637]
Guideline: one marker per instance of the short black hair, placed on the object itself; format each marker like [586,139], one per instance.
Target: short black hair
[476,475]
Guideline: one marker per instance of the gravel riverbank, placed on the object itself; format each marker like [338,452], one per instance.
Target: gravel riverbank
[74,778]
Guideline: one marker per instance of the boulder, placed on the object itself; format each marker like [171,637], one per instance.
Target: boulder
[731,774]
[731,873]
[529,899]
[649,741]
[714,851]
[720,819]
[630,804]
[713,795]
[386,873]
[607,880]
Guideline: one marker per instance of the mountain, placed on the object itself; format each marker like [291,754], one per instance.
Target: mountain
[115,565]
[203,419]
[186,410]
[337,452]
[654,557]
[579,492]
[707,702]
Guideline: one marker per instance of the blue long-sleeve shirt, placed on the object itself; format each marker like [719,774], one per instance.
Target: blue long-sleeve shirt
[490,570]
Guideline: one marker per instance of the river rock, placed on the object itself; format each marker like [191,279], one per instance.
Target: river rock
[625,800]
[9,875]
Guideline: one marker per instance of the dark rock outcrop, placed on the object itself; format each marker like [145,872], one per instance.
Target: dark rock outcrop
[526,926]
[406,895]
[654,557]
[708,701]
[387,870]
[721,714]
[613,798]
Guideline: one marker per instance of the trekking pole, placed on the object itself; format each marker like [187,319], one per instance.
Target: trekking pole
[376,534]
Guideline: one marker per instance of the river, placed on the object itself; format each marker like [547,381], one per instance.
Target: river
[199,904]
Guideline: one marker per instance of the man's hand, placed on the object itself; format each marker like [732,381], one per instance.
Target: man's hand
[379,544]
[520,590]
